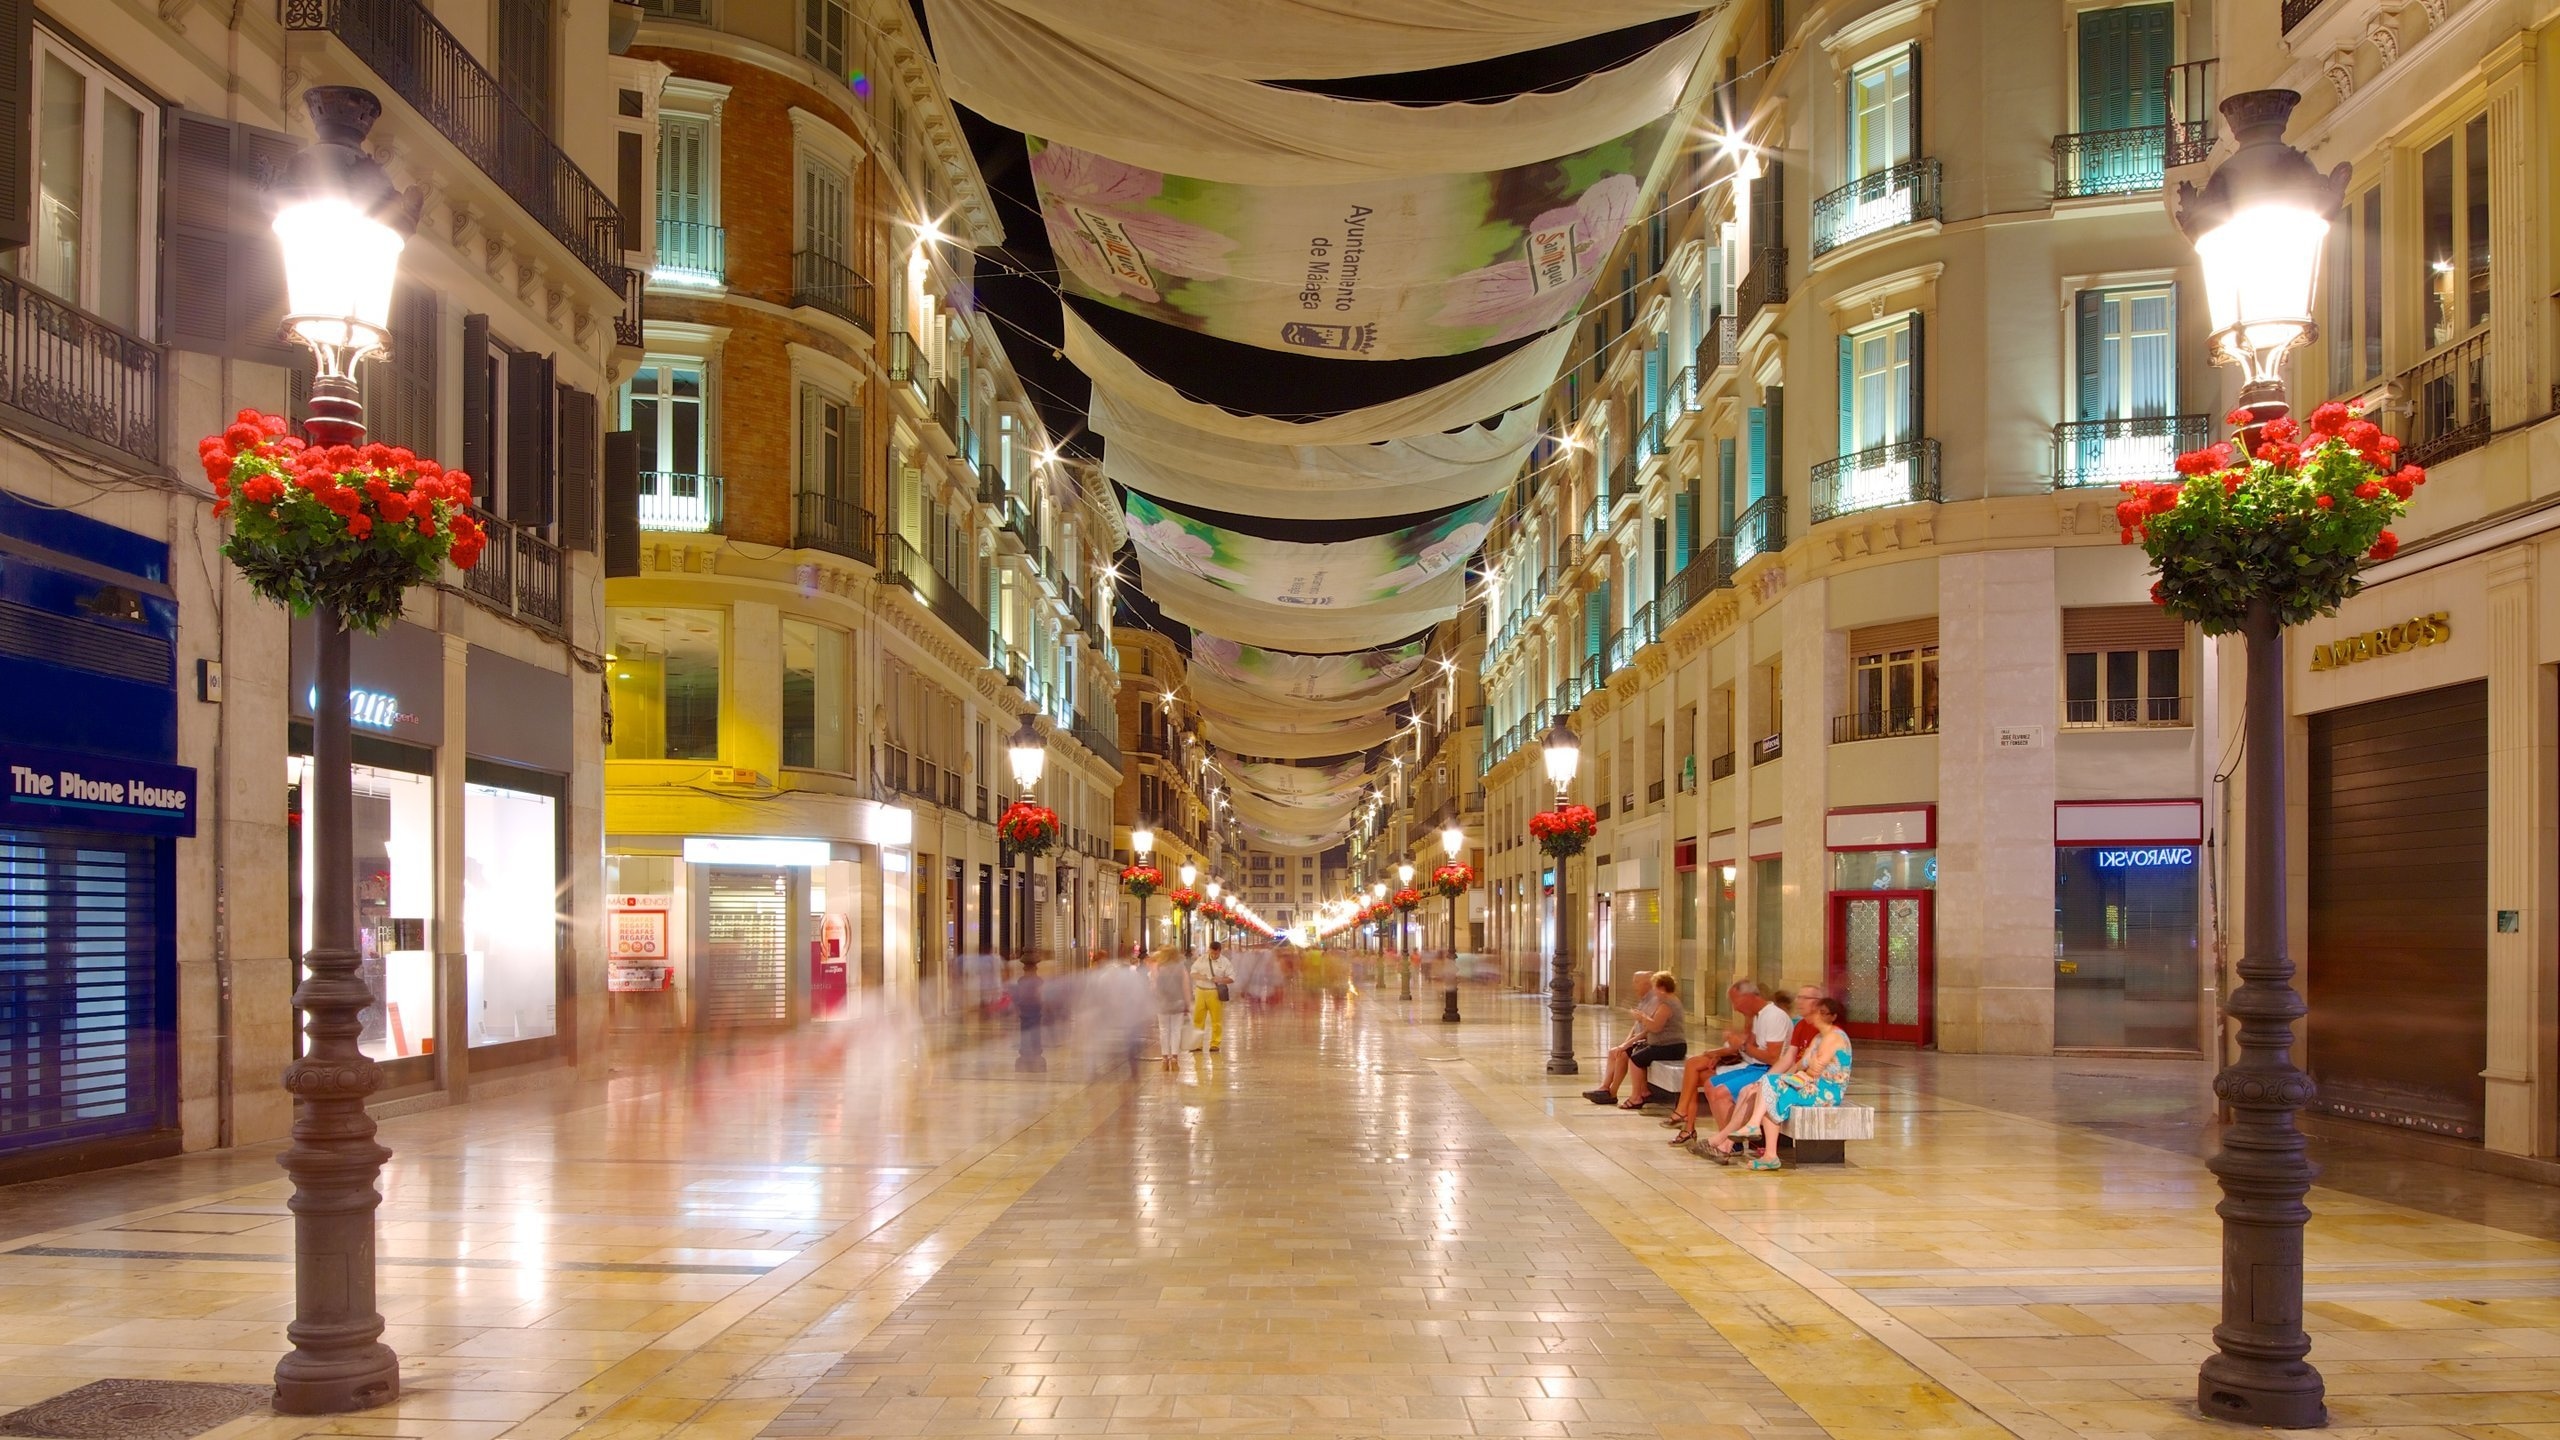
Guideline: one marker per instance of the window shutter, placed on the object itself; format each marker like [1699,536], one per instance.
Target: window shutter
[530,456]
[2101,98]
[257,264]
[1848,394]
[479,412]
[1757,423]
[578,430]
[1898,635]
[1595,619]
[196,218]
[1724,486]
[2088,345]
[1915,415]
[1684,525]
[1773,399]
[17,137]
[2148,55]
[812,443]
[2121,627]
[1662,547]
[621,505]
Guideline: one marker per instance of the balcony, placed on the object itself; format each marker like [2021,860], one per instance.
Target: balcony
[1653,792]
[2297,11]
[2190,91]
[2448,395]
[1768,748]
[1883,724]
[2145,712]
[2110,162]
[1653,438]
[421,62]
[629,333]
[1722,345]
[836,526]
[1709,570]
[946,410]
[1760,530]
[1595,674]
[690,253]
[1595,519]
[1103,746]
[1685,390]
[1721,768]
[681,501]
[1763,286]
[2111,452]
[519,574]
[66,371]
[1904,194]
[824,283]
[907,363]
[948,601]
[1876,478]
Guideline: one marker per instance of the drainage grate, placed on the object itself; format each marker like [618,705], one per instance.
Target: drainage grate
[136,1410]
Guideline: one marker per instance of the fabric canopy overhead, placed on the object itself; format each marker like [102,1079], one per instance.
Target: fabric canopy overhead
[1369,673]
[1173,461]
[1261,707]
[1514,380]
[1205,606]
[1317,39]
[1342,575]
[1278,779]
[1390,269]
[1285,842]
[1022,74]
[1296,743]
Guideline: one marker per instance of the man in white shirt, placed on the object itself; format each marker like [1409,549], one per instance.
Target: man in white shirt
[1748,1052]
[1211,974]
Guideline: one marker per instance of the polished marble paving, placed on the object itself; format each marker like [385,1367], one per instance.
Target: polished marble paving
[1355,1221]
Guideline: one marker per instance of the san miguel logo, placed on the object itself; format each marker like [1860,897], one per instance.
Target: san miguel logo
[2398,639]
[1310,335]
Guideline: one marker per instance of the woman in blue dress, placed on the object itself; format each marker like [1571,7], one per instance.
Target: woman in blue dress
[1818,1078]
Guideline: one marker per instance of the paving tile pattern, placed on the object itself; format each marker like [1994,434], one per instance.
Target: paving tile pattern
[1303,1238]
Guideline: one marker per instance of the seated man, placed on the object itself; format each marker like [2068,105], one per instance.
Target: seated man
[1615,1072]
[1722,1074]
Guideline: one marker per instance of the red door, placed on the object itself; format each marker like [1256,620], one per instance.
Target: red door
[1883,963]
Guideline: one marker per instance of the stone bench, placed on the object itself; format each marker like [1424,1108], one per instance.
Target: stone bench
[1817,1136]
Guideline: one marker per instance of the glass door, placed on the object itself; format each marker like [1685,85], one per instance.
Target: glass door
[1881,964]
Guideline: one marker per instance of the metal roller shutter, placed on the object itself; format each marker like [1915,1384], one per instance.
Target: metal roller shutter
[746,951]
[80,987]
[2121,627]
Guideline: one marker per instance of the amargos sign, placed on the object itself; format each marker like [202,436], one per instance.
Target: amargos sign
[2408,635]
[96,792]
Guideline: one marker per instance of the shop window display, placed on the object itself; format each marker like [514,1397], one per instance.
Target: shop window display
[510,906]
[395,832]
[2124,923]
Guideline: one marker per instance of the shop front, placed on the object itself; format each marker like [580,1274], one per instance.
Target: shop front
[2127,970]
[1881,960]
[91,815]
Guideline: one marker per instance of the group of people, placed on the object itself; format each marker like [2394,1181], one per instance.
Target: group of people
[1176,1003]
[1768,1068]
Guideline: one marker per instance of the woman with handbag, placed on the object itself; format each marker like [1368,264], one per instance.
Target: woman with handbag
[1212,978]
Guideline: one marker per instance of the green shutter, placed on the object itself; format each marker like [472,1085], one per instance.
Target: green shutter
[2088,349]
[1595,605]
[1662,547]
[2124,62]
[1848,394]
[1773,399]
[1724,486]
[1757,423]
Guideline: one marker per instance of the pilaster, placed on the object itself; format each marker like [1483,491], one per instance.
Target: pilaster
[1815,678]
[2518,283]
[2521,859]
[453,964]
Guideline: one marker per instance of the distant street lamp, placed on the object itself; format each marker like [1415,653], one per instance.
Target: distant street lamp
[1142,844]
[340,224]
[1216,926]
[2259,225]
[1190,877]
[1563,757]
[1452,839]
[1404,952]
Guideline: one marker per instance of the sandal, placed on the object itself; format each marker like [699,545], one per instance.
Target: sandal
[1764,1162]
[1722,1146]
[1686,1136]
[1637,1103]
[1601,1097]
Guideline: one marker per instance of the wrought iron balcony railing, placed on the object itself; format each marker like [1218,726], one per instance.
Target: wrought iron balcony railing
[63,368]
[519,573]
[2110,162]
[2448,395]
[1760,530]
[1722,344]
[902,566]
[2111,452]
[2297,11]
[2134,712]
[1721,768]
[1764,285]
[690,253]
[1903,194]
[907,362]
[946,411]
[822,282]
[837,526]
[684,501]
[1876,478]
[1768,748]
[1595,517]
[1883,724]
[1684,390]
[426,66]
[1708,570]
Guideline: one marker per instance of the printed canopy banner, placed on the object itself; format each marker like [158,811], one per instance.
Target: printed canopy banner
[1297,743]
[1385,269]
[1317,39]
[1388,671]
[1341,575]
[1177,462]
[1285,842]
[1275,778]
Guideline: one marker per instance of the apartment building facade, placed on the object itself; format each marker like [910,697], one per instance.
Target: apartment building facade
[859,565]
[1866,690]
[158,961]
[1168,788]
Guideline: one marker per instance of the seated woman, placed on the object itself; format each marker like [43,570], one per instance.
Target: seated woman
[1818,1079]
[1615,1072]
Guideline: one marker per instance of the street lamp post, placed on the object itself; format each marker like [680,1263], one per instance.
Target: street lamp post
[1451,839]
[1404,951]
[2258,225]
[1142,844]
[339,222]
[1217,927]
[1563,757]
[1028,753]
[1190,877]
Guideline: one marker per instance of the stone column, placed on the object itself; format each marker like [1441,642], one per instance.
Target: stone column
[2517,283]
[453,961]
[751,710]
[1746,900]
[1999,648]
[1817,682]
[2522,734]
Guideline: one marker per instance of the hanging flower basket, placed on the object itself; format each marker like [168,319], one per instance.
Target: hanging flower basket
[2288,527]
[1184,899]
[351,527]
[1027,829]
[1565,830]
[1453,880]
[1212,910]
[1406,900]
[1141,881]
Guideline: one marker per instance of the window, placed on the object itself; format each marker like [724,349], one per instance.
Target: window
[822,209]
[1893,681]
[524,62]
[826,36]
[2123,665]
[2453,204]
[665,690]
[2127,353]
[662,408]
[400,380]
[2353,271]
[1880,131]
[1876,366]
[511,905]
[679,9]
[96,182]
[830,445]
[689,239]
[2125,55]
[813,695]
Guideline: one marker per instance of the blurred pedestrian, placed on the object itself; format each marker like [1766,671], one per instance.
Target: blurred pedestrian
[1028,1009]
[1172,986]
